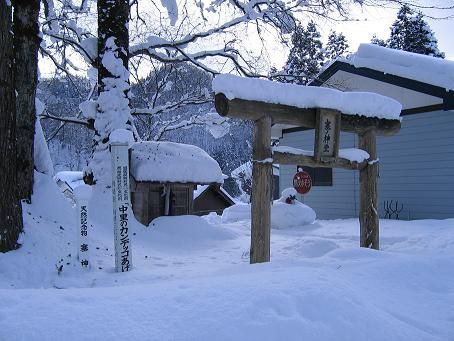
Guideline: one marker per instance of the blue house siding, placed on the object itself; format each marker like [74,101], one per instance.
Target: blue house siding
[329,202]
[416,168]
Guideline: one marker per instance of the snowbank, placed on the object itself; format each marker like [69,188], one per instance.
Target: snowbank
[351,103]
[47,239]
[72,178]
[185,233]
[319,286]
[193,281]
[48,200]
[41,156]
[173,162]
[282,215]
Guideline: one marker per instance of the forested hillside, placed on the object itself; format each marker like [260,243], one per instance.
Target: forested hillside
[70,142]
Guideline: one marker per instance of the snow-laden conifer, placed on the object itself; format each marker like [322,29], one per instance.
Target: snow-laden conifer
[410,32]
[306,55]
[336,46]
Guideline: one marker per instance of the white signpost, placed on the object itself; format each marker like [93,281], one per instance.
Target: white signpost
[120,140]
[82,194]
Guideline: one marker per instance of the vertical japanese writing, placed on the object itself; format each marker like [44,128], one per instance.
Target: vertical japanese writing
[121,206]
[83,244]
[124,238]
[327,136]
[82,194]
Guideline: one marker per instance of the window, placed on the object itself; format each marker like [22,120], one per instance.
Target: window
[320,176]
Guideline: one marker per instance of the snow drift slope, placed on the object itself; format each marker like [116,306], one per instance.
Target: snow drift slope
[193,283]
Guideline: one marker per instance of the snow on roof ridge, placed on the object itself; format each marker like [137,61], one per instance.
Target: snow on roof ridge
[418,67]
[351,103]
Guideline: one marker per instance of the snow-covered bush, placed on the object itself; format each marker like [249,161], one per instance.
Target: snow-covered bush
[285,212]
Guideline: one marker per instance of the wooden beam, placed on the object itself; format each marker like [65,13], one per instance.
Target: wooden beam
[261,192]
[368,214]
[284,114]
[293,159]
[254,110]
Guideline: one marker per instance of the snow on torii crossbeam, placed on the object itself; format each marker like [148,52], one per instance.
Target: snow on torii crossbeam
[267,103]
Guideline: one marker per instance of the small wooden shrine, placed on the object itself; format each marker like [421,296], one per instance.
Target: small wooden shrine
[164,176]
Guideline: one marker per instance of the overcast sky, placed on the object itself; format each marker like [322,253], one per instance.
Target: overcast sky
[369,21]
[378,21]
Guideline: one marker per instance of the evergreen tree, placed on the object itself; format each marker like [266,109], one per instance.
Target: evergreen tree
[411,33]
[378,41]
[306,55]
[336,46]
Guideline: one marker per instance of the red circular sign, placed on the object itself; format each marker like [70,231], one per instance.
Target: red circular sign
[302,182]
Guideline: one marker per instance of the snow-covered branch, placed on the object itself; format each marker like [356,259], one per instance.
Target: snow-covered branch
[217,125]
[171,106]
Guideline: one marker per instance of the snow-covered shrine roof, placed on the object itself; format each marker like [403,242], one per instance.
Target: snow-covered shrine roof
[351,103]
[173,162]
[202,188]
[427,69]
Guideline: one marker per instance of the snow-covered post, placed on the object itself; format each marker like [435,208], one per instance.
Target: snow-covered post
[368,214]
[262,170]
[120,141]
[82,194]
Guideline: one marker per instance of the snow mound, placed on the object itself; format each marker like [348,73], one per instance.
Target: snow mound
[282,215]
[236,213]
[48,201]
[72,178]
[47,241]
[315,247]
[185,233]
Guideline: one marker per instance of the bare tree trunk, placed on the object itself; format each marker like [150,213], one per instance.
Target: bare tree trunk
[10,208]
[26,43]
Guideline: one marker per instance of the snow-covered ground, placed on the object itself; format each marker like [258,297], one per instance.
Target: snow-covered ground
[192,280]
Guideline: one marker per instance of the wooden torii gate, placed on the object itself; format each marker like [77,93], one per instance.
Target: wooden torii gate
[264,115]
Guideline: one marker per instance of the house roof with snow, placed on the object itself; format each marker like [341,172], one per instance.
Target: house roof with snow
[173,162]
[421,83]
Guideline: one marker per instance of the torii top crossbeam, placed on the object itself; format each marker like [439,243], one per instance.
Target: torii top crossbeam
[251,99]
